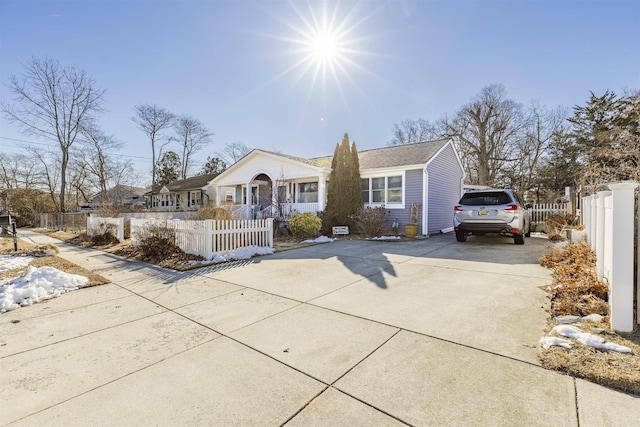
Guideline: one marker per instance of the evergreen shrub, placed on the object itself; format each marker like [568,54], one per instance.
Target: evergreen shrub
[305,225]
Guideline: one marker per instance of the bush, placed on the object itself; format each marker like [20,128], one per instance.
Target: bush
[305,225]
[104,234]
[372,221]
[211,212]
[156,240]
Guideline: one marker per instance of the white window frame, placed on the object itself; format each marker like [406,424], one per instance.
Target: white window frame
[385,202]
[299,190]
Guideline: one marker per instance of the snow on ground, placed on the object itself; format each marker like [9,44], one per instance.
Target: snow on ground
[9,262]
[585,338]
[36,284]
[245,252]
[386,238]
[321,239]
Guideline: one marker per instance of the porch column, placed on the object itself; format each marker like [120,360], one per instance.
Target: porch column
[247,202]
[322,192]
[218,200]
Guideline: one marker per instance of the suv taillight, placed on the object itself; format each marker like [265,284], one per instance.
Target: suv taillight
[457,208]
[511,208]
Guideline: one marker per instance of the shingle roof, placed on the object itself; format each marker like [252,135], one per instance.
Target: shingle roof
[193,183]
[312,162]
[397,155]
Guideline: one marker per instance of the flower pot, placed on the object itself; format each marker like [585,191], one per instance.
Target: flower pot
[411,230]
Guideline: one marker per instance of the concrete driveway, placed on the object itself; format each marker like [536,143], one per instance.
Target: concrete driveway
[431,332]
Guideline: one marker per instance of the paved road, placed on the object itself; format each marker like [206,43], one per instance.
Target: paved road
[431,332]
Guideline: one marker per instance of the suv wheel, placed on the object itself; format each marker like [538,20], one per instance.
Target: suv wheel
[518,239]
[460,236]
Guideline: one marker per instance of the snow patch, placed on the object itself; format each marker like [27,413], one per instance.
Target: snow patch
[245,252]
[9,262]
[386,238]
[547,342]
[37,284]
[321,239]
[588,339]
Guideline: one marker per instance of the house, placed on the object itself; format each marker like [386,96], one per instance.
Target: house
[119,195]
[267,184]
[186,194]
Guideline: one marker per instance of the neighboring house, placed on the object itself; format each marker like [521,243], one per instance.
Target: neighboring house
[429,174]
[119,195]
[186,194]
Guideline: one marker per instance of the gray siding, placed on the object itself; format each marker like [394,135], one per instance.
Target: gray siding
[413,194]
[445,177]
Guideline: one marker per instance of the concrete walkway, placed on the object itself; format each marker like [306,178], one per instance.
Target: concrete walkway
[351,333]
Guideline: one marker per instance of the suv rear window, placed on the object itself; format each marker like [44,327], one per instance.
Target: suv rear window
[485,198]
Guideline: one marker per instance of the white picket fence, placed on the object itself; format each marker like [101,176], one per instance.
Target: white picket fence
[540,212]
[609,218]
[96,224]
[206,238]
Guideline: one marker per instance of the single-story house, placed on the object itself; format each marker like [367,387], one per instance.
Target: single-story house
[186,194]
[119,195]
[427,174]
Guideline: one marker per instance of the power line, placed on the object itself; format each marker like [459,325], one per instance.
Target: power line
[53,146]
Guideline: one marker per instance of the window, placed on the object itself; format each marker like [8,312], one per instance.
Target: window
[194,198]
[377,190]
[308,192]
[394,189]
[228,197]
[386,190]
[254,195]
[365,191]
[282,194]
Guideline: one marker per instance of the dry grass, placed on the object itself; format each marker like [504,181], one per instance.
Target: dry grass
[577,291]
[42,260]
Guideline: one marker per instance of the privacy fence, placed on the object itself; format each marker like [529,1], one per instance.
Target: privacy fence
[205,238]
[611,220]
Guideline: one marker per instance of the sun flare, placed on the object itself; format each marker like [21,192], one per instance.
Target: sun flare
[324,47]
[326,43]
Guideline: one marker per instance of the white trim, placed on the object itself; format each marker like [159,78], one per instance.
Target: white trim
[425,202]
[386,177]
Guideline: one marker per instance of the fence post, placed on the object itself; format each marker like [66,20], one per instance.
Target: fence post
[600,232]
[208,243]
[270,232]
[621,286]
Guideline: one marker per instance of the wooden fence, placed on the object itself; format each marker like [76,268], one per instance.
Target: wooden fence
[540,212]
[205,238]
[611,223]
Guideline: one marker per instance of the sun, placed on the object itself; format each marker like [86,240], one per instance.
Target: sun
[325,47]
[325,40]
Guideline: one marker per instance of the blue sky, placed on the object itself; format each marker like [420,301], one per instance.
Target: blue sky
[231,64]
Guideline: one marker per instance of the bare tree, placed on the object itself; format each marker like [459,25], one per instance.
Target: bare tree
[540,129]
[153,120]
[192,135]
[233,151]
[485,132]
[104,169]
[413,131]
[49,165]
[17,171]
[54,102]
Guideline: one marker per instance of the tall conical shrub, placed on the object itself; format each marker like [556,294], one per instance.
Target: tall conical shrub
[344,196]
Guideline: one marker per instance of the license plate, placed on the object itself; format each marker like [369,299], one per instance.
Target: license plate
[483,212]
